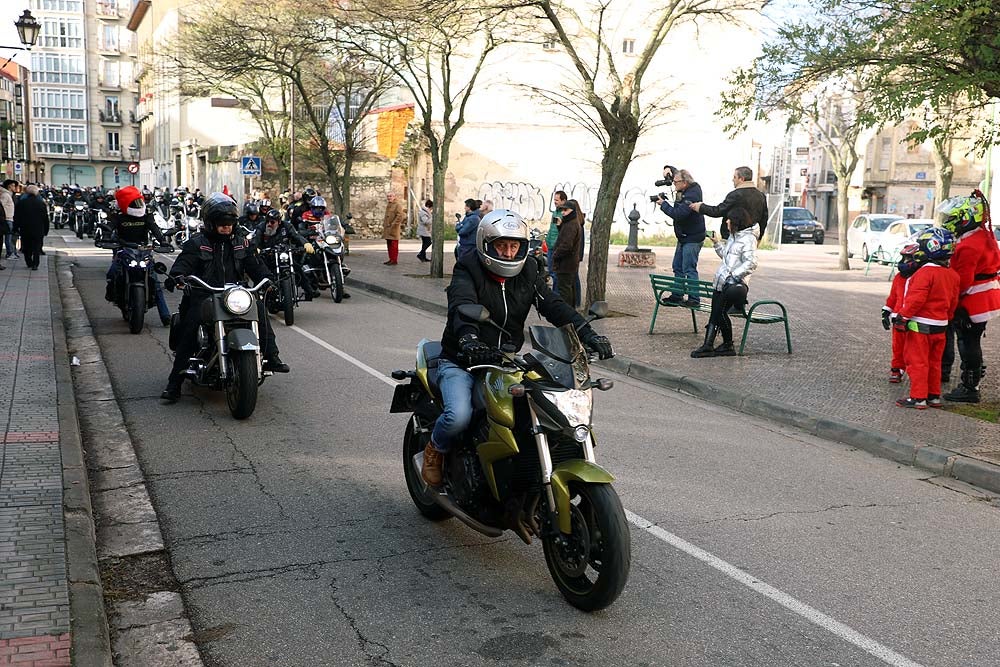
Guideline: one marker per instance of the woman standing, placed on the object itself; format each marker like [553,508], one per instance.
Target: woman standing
[424,229]
[739,260]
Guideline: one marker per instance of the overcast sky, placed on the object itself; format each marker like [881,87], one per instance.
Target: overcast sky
[10,11]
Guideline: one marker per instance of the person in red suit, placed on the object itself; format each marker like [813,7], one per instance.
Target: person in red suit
[977,261]
[929,300]
[906,267]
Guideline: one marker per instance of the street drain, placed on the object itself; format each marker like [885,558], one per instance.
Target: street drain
[134,577]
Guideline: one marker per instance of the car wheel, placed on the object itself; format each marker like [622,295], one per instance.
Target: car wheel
[864,252]
[819,240]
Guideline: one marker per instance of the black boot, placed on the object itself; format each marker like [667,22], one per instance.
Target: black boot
[173,390]
[968,391]
[706,349]
[109,291]
[275,364]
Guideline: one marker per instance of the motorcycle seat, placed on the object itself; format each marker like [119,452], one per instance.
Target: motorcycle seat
[432,354]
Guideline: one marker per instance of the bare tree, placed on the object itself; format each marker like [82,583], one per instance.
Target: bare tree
[607,97]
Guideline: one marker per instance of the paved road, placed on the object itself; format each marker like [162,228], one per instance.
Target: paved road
[296,543]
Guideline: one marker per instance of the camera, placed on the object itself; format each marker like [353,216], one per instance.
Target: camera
[657,197]
[663,183]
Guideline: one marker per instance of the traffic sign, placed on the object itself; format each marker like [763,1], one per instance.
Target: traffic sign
[133,168]
[18,167]
[250,165]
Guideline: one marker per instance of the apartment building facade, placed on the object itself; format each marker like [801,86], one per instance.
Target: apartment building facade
[83,93]
[15,157]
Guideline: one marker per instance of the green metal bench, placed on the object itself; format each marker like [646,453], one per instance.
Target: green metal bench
[702,290]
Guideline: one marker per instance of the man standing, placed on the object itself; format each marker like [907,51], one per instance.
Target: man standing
[392,227]
[558,199]
[745,195]
[7,189]
[31,217]
[566,256]
[689,228]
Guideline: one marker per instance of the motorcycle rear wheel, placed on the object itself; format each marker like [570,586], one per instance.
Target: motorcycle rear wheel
[288,301]
[136,308]
[592,569]
[241,391]
[413,444]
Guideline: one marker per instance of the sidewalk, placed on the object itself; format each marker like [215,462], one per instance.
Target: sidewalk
[35,447]
[834,383]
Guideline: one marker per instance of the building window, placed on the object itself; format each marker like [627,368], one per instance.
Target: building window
[885,154]
[58,104]
[111,106]
[56,138]
[59,32]
[114,142]
[71,6]
[110,73]
[109,38]
[57,68]
[628,47]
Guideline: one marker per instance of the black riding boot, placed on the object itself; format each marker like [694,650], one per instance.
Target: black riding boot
[706,349]
[968,391]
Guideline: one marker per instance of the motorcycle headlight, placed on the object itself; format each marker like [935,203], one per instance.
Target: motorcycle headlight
[332,239]
[58,209]
[238,301]
[142,264]
[576,404]
[132,264]
[284,257]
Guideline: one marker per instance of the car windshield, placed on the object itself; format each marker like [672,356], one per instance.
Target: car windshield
[918,227]
[797,214]
[880,224]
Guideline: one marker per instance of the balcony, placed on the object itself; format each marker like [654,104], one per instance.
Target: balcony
[109,118]
[109,83]
[107,9]
[108,47]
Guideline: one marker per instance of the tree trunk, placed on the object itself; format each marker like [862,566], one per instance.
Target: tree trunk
[945,171]
[843,186]
[440,165]
[613,167]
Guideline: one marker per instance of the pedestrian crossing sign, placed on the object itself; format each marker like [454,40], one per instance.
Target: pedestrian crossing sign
[250,165]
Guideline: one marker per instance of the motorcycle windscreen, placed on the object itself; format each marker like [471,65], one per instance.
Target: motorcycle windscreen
[561,354]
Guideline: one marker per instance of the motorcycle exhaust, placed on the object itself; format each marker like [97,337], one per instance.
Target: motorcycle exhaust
[448,505]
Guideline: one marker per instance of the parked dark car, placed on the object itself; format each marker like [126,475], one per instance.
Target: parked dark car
[799,225]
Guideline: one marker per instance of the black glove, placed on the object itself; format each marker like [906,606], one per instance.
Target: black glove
[474,352]
[170,283]
[599,344]
[886,321]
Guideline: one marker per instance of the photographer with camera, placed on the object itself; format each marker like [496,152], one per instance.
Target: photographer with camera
[689,228]
[744,195]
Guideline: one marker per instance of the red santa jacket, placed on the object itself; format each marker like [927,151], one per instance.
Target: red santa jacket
[895,298]
[931,295]
[976,261]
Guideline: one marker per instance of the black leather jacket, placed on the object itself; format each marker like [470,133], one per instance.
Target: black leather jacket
[135,230]
[509,304]
[219,260]
[284,233]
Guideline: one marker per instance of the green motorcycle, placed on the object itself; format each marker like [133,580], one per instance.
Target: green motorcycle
[527,463]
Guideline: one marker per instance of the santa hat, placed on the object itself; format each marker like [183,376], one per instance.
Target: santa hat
[126,196]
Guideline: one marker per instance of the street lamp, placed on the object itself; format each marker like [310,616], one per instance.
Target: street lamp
[70,170]
[132,150]
[28,29]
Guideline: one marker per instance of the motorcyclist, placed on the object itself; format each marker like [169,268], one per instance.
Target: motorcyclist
[977,262]
[133,223]
[317,220]
[191,207]
[496,276]
[271,231]
[218,257]
[251,216]
[301,206]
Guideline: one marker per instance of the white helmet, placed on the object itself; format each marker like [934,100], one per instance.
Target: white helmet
[502,224]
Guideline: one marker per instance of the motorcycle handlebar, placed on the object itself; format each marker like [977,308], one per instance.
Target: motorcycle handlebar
[203,285]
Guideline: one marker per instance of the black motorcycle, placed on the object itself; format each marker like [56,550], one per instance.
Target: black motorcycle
[79,218]
[326,267]
[536,250]
[229,358]
[133,288]
[279,257]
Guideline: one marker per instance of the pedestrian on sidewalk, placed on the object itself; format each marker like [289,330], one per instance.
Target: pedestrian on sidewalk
[424,226]
[31,221]
[467,229]
[689,228]
[745,195]
[906,268]
[929,302]
[977,262]
[7,190]
[558,199]
[566,256]
[392,227]
[739,260]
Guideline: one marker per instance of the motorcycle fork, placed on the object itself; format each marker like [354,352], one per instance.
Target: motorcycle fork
[326,266]
[220,335]
[545,460]
[260,351]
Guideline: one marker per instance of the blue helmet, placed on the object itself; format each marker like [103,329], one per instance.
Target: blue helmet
[935,244]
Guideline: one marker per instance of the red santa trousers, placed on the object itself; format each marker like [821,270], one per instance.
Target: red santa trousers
[923,363]
[898,347]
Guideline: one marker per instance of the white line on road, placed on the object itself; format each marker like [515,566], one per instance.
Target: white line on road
[848,634]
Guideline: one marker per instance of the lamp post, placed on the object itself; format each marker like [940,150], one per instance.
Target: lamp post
[132,150]
[28,29]
[70,170]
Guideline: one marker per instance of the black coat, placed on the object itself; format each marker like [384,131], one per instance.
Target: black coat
[31,217]
[218,261]
[510,302]
[689,226]
[750,198]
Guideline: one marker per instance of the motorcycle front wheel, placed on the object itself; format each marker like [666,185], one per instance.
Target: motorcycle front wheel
[590,566]
[136,308]
[79,228]
[338,284]
[413,444]
[241,392]
[288,301]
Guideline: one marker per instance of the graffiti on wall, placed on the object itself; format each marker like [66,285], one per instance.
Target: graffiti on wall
[524,198]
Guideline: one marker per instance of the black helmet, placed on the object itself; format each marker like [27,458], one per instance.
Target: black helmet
[273,215]
[308,194]
[251,209]
[219,209]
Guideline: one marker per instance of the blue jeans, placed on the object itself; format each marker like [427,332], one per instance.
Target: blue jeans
[8,241]
[456,395]
[161,299]
[686,264]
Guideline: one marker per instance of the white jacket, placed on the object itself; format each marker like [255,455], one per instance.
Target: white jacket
[7,201]
[739,258]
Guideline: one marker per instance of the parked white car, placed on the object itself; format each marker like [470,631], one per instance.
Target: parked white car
[899,232]
[864,235]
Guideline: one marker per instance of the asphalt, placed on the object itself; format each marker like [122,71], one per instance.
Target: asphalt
[834,384]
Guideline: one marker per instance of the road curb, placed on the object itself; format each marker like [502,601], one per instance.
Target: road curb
[91,641]
[885,445]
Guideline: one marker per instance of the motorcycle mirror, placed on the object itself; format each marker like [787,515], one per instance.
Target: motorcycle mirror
[474,312]
[599,309]
[160,268]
